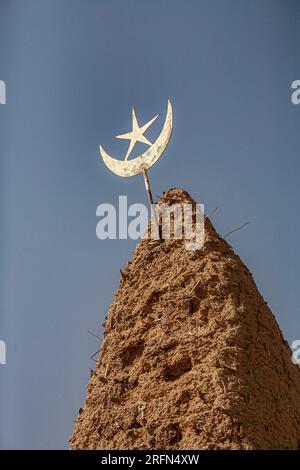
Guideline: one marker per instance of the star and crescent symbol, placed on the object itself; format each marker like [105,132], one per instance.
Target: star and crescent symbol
[150,156]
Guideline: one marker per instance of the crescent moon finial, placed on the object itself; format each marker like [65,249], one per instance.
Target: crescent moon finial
[144,161]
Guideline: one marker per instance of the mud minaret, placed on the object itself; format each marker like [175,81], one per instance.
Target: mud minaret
[192,357]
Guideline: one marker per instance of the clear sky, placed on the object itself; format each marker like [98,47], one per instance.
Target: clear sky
[73,68]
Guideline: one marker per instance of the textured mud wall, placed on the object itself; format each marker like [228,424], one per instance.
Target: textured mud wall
[192,357]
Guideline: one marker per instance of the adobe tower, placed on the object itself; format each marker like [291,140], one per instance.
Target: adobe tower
[192,357]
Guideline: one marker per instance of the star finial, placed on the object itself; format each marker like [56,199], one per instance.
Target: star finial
[137,133]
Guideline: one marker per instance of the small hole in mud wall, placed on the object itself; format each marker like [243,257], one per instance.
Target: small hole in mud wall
[170,434]
[131,353]
[174,371]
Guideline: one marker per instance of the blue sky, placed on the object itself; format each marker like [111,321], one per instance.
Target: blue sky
[72,70]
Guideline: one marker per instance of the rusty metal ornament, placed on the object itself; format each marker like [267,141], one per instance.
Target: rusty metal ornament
[144,161]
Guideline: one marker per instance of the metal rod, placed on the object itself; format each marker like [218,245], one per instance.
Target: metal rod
[150,199]
[147,184]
